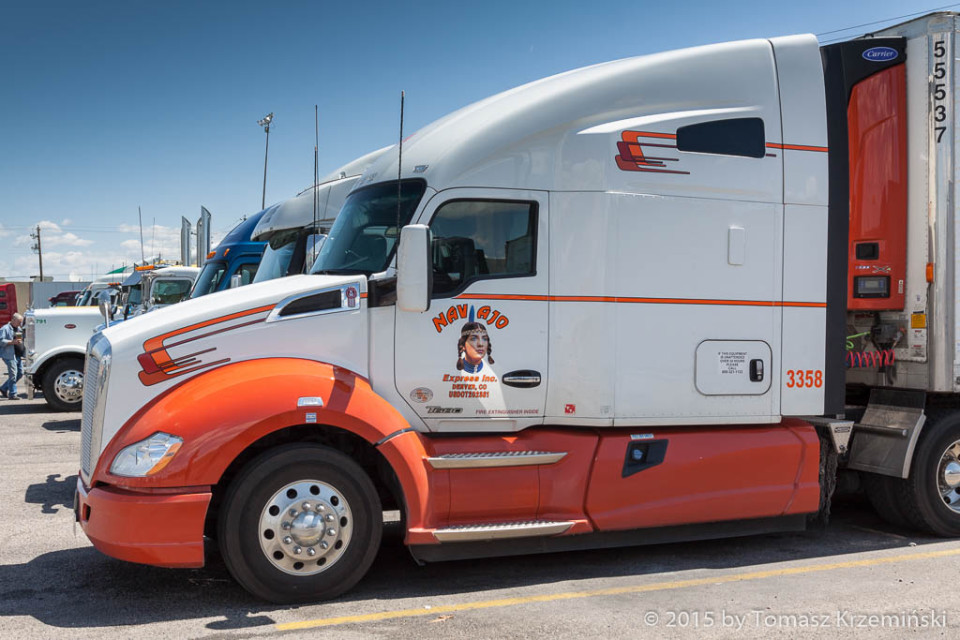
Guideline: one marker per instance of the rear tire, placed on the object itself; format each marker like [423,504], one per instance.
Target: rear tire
[886,501]
[931,495]
[63,384]
[301,523]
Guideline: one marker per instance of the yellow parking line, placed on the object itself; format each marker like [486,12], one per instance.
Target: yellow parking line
[570,595]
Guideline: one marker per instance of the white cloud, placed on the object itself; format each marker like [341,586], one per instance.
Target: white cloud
[66,222]
[68,239]
[157,240]
[4,232]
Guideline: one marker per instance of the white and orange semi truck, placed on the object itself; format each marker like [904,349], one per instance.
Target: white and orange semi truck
[619,305]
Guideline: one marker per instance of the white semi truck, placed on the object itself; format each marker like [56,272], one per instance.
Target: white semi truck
[686,264]
[295,229]
[56,338]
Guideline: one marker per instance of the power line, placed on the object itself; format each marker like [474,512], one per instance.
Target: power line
[908,15]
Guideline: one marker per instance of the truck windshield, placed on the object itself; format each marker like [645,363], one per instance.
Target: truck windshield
[169,291]
[209,278]
[276,257]
[364,236]
[84,300]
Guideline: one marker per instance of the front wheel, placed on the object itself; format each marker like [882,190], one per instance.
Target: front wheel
[63,384]
[300,523]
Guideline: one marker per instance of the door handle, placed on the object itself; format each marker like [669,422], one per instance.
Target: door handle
[523,379]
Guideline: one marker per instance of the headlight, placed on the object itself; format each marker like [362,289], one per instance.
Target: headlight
[146,457]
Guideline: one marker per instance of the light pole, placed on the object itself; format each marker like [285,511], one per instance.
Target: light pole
[265,123]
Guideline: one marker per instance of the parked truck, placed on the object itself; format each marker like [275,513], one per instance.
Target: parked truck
[56,338]
[689,263]
[236,255]
[8,302]
[295,229]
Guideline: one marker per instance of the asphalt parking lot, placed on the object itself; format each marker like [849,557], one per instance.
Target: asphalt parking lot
[858,577]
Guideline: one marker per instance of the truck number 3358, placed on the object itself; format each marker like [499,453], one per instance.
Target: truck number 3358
[801,379]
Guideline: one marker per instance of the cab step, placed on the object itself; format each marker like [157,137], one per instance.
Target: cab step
[495,459]
[502,530]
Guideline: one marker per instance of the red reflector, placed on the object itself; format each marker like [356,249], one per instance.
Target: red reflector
[69,326]
[929,272]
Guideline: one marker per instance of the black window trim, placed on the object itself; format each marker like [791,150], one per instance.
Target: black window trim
[535,209]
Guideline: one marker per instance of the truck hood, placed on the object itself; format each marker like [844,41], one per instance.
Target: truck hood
[54,314]
[154,352]
[220,304]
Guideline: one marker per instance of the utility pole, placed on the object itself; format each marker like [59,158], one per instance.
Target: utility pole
[265,123]
[39,249]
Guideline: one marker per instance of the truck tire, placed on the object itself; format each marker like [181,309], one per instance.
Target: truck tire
[301,522]
[885,499]
[931,495]
[63,384]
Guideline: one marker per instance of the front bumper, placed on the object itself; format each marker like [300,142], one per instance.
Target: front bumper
[162,529]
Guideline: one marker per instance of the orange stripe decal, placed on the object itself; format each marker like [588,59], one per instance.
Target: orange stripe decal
[156,363]
[627,300]
[648,134]
[796,147]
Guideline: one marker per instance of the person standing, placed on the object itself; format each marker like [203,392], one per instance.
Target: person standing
[10,337]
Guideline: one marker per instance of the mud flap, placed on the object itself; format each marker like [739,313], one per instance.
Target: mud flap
[886,436]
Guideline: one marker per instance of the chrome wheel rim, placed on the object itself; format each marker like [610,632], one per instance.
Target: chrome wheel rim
[948,476]
[68,386]
[305,527]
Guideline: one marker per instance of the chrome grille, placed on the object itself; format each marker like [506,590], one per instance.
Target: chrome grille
[90,376]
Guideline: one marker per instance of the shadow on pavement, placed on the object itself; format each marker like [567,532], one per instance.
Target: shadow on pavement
[23,407]
[56,588]
[52,494]
[62,426]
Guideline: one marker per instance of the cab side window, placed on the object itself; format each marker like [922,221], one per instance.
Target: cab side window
[481,239]
[247,272]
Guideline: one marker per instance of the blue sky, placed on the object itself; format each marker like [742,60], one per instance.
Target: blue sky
[107,106]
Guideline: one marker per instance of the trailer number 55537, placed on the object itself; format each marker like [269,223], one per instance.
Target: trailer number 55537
[939,89]
[804,378]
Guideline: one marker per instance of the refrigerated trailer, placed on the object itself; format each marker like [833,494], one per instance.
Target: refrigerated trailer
[692,265]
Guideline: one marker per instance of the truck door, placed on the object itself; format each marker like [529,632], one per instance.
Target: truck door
[477,358]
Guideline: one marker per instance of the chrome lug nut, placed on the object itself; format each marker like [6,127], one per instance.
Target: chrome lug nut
[293,513]
[306,506]
[297,550]
[321,508]
[286,526]
[324,544]
[287,540]
[311,551]
[330,517]
[331,532]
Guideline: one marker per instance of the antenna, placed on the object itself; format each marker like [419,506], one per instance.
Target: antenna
[140,216]
[400,166]
[316,177]
[153,235]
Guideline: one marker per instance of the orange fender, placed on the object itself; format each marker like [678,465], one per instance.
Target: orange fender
[219,414]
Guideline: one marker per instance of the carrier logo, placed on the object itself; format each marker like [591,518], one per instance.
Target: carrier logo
[880,54]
